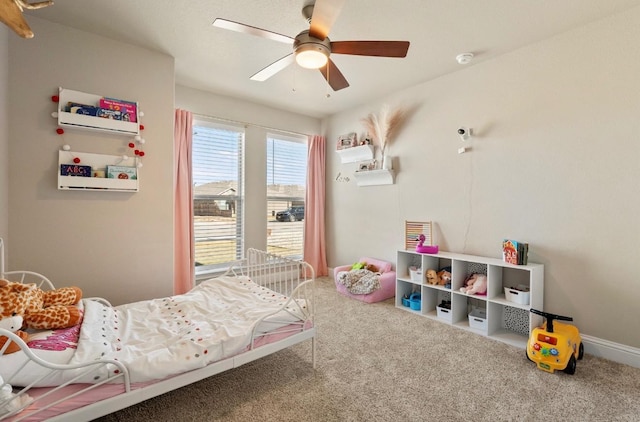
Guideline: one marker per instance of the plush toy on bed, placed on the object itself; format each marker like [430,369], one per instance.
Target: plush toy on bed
[475,284]
[40,310]
[13,324]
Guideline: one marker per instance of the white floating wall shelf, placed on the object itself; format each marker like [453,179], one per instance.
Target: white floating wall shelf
[81,121]
[374,177]
[355,154]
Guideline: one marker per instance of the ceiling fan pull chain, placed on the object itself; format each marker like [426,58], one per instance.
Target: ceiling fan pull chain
[295,79]
[328,94]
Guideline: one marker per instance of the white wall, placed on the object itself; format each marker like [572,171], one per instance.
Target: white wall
[115,245]
[554,162]
[111,244]
[4,133]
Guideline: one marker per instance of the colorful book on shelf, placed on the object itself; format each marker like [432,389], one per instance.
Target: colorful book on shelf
[122,172]
[127,109]
[75,170]
[515,252]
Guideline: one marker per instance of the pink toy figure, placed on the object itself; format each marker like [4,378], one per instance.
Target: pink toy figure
[475,284]
[425,249]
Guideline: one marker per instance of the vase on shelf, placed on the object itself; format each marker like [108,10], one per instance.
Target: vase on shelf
[387,162]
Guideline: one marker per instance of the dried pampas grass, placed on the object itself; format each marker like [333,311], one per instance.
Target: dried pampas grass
[383,127]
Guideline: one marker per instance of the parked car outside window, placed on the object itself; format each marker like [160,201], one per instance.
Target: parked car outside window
[291,214]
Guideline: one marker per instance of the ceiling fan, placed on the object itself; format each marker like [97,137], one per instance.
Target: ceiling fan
[312,47]
[11,15]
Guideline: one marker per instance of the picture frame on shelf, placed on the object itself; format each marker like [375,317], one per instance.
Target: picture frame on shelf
[347,141]
[367,165]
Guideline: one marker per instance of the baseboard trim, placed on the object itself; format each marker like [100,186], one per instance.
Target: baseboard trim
[605,349]
[612,351]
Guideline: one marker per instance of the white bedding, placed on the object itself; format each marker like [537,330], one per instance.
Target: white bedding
[163,337]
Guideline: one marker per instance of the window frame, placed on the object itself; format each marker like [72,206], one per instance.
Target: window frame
[238,198]
[292,201]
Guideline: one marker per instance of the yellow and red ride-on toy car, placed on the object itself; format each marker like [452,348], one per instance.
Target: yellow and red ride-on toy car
[555,346]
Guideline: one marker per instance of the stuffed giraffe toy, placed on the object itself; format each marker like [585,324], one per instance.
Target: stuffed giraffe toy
[13,324]
[41,310]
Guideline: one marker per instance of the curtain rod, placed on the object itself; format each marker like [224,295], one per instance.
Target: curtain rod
[245,124]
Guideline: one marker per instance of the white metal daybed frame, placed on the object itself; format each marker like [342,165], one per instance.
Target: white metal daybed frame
[292,278]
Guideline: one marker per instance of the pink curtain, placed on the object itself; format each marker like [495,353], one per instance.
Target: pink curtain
[314,239]
[184,259]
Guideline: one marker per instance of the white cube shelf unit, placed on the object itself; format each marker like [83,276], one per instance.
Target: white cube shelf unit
[506,321]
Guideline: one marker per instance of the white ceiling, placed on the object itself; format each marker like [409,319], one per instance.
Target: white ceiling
[221,61]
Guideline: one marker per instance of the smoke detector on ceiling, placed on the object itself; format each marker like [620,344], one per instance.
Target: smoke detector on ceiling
[464,58]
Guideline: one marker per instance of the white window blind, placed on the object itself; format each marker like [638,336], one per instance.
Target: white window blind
[217,162]
[286,183]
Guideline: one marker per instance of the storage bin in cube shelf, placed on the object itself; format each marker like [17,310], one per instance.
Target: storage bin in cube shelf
[478,319]
[415,274]
[444,313]
[412,301]
[519,294]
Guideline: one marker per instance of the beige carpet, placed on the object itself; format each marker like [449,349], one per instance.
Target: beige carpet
[379,363]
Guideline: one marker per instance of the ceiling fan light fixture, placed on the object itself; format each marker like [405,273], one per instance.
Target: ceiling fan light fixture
[311,57]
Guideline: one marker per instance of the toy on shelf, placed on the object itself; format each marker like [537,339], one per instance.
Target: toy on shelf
[439,278]
[422,248]
[414,231]
[432,277]
[475,284]
[555,346]
[444,275]
[412,301]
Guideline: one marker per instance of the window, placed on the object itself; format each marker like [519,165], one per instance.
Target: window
[218,198]
[286,181]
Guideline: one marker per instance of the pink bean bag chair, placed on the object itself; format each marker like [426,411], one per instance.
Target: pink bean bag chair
[387,281]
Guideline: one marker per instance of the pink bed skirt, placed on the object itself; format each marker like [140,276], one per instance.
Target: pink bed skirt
[106,391]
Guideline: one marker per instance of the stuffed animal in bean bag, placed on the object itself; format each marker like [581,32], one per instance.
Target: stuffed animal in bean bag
[359,266]
[365,266]
[475,284]
[41,310]
[13,324]
[372,268]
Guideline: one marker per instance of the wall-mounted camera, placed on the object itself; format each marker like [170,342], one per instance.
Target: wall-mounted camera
[464,133]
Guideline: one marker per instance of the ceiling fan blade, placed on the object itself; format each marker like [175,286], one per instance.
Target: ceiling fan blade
[273,68]
[335,78]
[11,15]
[252,30]
[325,13]
[371,48]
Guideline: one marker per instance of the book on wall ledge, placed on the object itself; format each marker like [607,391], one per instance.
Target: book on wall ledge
[515,252]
